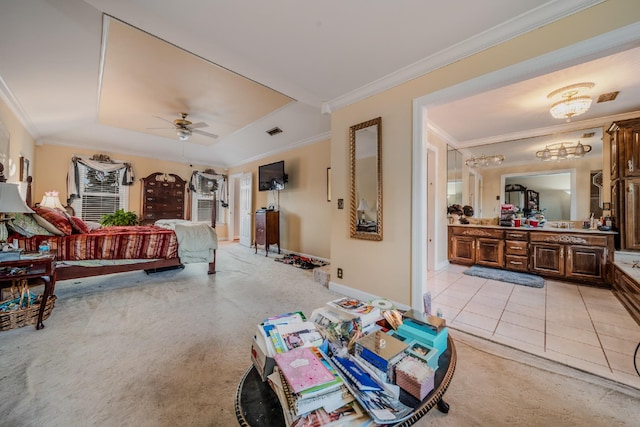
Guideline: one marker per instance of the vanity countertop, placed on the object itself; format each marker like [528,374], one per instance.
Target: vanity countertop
[626,260]
[550,229]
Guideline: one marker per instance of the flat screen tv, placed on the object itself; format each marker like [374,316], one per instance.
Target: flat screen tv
[272,176]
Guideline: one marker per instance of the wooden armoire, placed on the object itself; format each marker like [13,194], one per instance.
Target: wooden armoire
[163,197]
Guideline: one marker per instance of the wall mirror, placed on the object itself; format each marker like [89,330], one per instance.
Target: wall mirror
[562,188]
[365,151]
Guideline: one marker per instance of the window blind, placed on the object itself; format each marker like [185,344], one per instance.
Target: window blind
[101,193]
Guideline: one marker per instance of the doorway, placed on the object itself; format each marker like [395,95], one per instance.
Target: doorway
[421,221]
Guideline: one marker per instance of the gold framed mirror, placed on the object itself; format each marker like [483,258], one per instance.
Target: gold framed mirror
[365,151]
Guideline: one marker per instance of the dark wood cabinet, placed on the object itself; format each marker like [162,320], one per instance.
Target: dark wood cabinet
[627,290]
[476,246]
[585,257]
[586,262]
[163,197]
[267,231]
[547,259]
[625,181]
[490,252]
[462,250]
[517,251]
[632,213]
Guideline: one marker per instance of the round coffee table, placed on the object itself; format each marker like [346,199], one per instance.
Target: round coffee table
[258,406]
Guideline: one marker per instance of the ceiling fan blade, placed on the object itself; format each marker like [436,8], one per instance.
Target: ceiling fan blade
[162,118]
[198,125]
[210,135]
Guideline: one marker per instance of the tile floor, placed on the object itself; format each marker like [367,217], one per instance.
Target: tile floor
[580,326]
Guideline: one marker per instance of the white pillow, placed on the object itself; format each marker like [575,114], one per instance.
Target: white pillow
[47,225]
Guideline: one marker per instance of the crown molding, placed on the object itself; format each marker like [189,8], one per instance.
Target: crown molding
[12,102]
[543,15]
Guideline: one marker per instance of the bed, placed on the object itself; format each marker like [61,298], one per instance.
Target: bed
[82,252]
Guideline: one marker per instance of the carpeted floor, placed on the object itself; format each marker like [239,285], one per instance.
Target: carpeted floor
[169,349]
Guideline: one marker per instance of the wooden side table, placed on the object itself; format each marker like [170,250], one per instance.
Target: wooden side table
[39,266]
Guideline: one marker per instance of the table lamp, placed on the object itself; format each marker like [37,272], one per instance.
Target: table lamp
[10,202]
[51,200]
[362,207]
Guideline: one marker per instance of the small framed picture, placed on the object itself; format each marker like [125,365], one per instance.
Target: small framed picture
[24,168]
[328,184]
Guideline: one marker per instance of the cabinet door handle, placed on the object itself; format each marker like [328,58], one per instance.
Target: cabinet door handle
[515,235]
[630,165]
[515,262]
[515,247]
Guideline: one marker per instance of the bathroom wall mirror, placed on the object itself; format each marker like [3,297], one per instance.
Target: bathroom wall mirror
[365,151]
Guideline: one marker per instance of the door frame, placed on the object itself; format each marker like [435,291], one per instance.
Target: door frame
[586,50]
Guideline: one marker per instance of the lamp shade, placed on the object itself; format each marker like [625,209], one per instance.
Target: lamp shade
[51,200]
[10,199]
[363,206]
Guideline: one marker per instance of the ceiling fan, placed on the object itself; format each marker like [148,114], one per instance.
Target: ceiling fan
[184,128]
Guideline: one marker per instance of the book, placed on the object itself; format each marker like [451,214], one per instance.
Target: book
[329,399]
[303,370]
[382,406]
[293,335]
[355,374]
[354,307]
[275,382]
[381,350]
[265,328]
[349,414]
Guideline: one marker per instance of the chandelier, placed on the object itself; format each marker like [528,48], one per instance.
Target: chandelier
[570,101]
[562,151]
[484,161]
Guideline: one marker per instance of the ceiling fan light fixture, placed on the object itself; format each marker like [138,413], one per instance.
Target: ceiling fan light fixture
[183,134]
[570,101]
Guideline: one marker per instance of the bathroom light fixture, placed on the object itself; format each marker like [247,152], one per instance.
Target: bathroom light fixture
[562,151]
[484,161]
[570,101]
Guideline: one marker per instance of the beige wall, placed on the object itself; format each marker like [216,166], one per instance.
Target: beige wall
[51,174]
[384,268]
[304,210]
[20,144]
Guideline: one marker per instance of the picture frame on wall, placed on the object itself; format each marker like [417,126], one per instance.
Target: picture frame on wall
[24,168]
[328,184]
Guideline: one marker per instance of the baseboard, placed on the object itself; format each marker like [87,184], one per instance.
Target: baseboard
[442,265]
[362,296]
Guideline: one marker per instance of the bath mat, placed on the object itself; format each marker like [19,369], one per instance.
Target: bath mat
[524,279]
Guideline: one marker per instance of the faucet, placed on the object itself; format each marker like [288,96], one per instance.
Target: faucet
[636,264]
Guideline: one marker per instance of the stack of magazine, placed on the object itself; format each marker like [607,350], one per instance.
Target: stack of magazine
[310,390]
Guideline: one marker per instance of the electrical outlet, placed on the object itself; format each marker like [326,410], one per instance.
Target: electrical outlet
[339,273]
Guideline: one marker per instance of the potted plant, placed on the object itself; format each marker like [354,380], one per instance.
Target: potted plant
[119,217]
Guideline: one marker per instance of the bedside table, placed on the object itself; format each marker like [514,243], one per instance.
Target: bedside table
[29,267]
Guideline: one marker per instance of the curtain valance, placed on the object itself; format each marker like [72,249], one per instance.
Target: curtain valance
[210,174]
[98,163]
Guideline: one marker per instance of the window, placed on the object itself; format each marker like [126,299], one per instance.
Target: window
[203,201]
[100,193]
